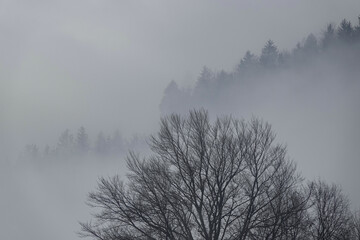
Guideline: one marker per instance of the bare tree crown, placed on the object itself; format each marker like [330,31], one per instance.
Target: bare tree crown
[225,179]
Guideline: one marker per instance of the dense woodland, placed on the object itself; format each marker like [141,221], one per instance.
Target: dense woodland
[337,48]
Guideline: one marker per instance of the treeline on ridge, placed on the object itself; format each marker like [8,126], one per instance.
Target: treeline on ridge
[337,46]
[70,145]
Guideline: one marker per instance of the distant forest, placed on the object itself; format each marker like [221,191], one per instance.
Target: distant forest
[337,47]
[71,145]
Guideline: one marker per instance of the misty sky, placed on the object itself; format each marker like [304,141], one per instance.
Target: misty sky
[104,64]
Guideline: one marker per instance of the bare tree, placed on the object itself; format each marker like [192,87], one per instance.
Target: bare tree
[356,225]
[221,180]
[331,218]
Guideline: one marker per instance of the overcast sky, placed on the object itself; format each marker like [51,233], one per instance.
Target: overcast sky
[104,64]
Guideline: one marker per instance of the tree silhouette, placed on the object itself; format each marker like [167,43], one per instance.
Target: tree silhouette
[269,55]
[357,31]
[311,45]
[172,95]
[220,180]
[328,36]
[345,31]
[65,145]
[330,213]
[248,64]
[204,81]
[356,225]
[82,141]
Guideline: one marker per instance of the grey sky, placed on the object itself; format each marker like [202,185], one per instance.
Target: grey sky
[104,64]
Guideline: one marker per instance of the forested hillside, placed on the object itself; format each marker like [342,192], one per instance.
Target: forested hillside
[329,57]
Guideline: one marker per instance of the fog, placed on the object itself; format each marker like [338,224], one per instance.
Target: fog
[105,65]
[310,96]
